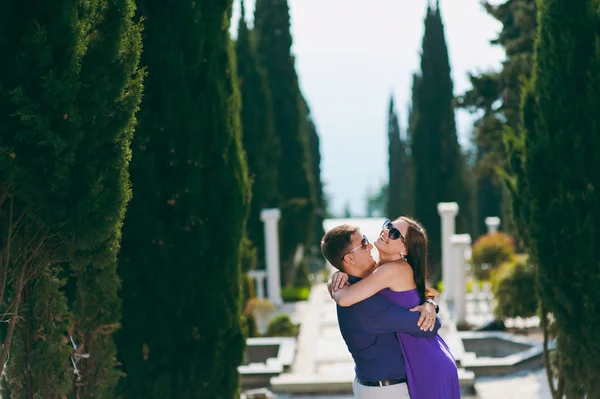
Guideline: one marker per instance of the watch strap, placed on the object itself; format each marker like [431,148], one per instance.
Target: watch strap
[434,303]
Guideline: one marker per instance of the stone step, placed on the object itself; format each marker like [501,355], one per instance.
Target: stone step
[466,378]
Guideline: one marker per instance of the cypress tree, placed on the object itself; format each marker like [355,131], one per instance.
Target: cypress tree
[498,95]
[394,194]
[558,186]
[274,42]
[490,154]
[101,190]
[39,134]
[66,187]
[180,257]
[315,163]
[259,139]
[518,18]
[400,189]
[315,170]
[439,167]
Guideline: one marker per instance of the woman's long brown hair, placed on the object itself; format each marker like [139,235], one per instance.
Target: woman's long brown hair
[416,243]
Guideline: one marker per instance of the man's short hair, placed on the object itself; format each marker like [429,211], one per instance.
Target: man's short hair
[335,244]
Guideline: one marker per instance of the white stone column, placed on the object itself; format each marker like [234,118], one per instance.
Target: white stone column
[492,224]
[259,279]
[461,243]
[448,212]
[270,217]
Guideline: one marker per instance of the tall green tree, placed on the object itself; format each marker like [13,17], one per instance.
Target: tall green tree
[439,166]
[259,139]
[558,186]
[395,186]
[180,257]
[101,190]
[295,182]
[66,132]
[400,189]
[497,95]
[39,135]
[314,145]
[490,155]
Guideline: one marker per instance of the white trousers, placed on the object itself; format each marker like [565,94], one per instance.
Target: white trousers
[397,391]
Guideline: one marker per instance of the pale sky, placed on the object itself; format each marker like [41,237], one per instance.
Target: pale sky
[351,55]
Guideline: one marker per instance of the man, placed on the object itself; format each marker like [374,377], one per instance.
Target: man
[369,327]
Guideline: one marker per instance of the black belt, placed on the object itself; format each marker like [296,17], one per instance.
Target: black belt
[382,383]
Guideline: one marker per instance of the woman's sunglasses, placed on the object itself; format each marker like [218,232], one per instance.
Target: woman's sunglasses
[394,232]
[364,244]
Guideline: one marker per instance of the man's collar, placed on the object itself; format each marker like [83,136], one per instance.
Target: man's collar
[353,279]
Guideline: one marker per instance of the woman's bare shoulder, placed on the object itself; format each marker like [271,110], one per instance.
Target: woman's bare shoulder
[398,266]
[401,275]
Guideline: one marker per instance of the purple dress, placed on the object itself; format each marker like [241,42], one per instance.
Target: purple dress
[430,367]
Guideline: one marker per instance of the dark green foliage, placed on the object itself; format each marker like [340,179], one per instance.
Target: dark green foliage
[248,254]
[39,356]
[490,154]
[315,170]
[295,182]
[259,139]
[559,182]
[101,189]
[517,36]
[394,192]
[301,275]
[182,236]
[400,188]
[518,18]
[250,326]
[281,326]
[439,166]
[498,95]
[514,289]
[66,131]
[39,134]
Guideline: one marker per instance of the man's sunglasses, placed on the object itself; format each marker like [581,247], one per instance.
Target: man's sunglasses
[394,233]
[364,244]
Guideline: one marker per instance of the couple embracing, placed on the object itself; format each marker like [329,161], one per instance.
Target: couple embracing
[386,314]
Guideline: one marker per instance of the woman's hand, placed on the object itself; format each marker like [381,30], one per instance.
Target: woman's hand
[337,281]
[428,316]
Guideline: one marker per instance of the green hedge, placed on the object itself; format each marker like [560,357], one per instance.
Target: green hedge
[295,294]
[282,326]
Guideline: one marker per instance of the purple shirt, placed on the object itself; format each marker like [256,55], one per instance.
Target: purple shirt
[369,329]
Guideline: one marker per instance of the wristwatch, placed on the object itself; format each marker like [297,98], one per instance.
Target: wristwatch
[434,303]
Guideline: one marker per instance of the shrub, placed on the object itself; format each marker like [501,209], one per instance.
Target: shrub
[301,278]
[489,252]
[513,287]
[295,294]
[249,325]
[282,326]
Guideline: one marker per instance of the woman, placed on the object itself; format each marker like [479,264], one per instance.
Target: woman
[430,367]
